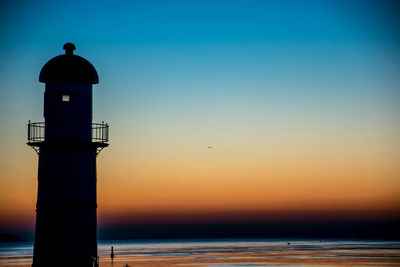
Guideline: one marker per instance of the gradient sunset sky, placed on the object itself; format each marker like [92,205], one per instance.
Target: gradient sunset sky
[299,100]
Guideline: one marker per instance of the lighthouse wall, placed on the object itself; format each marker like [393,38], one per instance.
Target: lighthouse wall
[66,214]
[68,111]
[66,221]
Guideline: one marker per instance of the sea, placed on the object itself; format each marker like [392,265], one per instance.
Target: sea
[229,252]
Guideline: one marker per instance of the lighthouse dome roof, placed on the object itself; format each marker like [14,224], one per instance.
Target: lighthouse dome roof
[68,67]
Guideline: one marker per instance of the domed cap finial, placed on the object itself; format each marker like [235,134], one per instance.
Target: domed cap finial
[68,67]
[69,48]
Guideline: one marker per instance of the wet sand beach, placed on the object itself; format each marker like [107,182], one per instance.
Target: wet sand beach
[289,257]
[262,259]
[242,253]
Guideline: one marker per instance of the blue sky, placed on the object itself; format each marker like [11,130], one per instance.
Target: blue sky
[307,53]
[304,43]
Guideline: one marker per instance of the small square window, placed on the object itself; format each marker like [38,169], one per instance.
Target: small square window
[65,98]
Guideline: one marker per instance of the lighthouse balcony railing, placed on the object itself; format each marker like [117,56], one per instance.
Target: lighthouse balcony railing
[36,133]
[100,133]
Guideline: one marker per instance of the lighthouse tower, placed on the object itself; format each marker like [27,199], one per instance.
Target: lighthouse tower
[67,143]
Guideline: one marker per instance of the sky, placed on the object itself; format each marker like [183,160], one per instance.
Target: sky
[298,100]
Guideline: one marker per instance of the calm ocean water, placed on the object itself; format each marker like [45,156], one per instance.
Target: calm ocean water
[20,253]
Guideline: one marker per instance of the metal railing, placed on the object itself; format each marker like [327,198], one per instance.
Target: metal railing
[36,132]
[100,132]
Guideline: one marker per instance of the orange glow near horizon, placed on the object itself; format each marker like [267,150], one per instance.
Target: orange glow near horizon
[242,179]
[273,181]
[158,194]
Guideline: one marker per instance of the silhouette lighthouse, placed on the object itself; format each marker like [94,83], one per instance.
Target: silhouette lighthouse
[67,143]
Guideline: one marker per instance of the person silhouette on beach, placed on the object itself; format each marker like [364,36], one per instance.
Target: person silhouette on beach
[112,254]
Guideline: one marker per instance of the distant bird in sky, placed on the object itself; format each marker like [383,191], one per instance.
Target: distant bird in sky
[209,147]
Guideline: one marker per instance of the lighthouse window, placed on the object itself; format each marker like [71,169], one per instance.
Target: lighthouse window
[65,98]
